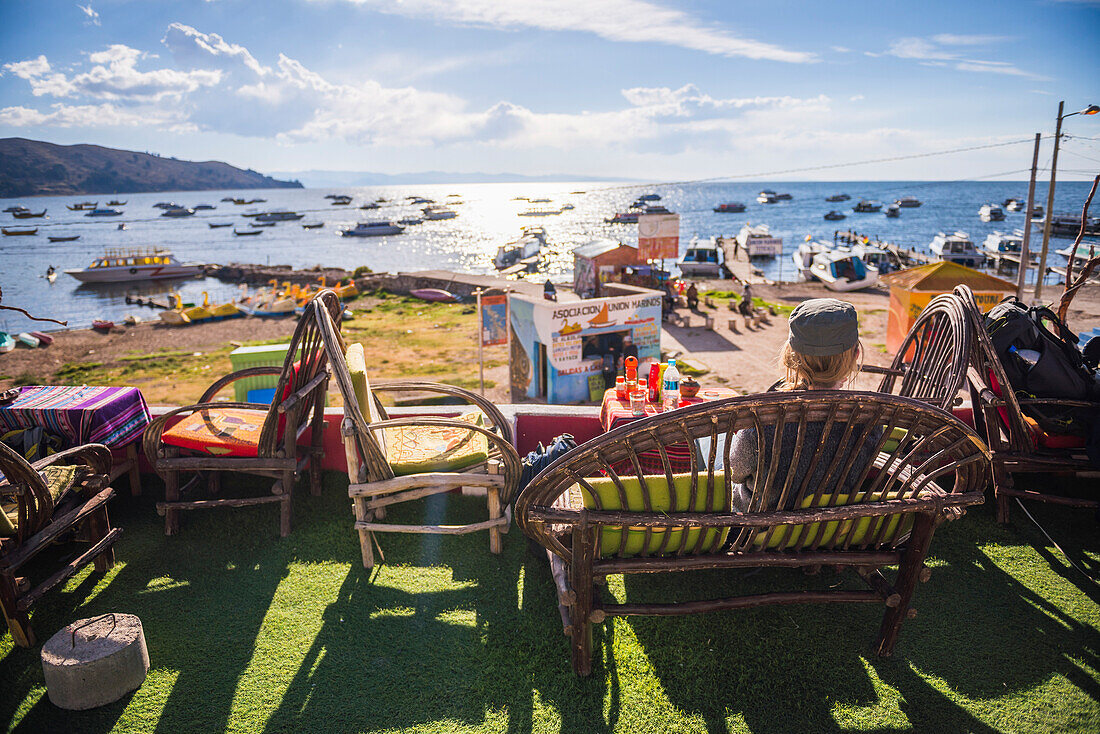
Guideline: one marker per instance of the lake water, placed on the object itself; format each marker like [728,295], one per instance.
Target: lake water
[487,218]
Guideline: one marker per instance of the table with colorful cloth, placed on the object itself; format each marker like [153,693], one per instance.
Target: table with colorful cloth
[615,412]
[113,416]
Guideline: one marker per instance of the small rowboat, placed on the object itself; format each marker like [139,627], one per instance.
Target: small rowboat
[215,225]
[28,339]
[28,215]
[435,295]
[103,325]
[315,225]
[65,238]
[262,224]
[16,232]
[247,233]
[44,339]
[7,342]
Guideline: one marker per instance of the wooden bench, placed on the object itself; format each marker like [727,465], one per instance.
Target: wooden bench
[914,465]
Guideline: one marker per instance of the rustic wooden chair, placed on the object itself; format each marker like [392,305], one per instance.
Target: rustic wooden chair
[932,362]
[62,498]
[1017,443]
[214,437]
[392,460]
[915,466]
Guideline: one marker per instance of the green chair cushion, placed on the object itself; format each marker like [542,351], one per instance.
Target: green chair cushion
[419,449]
[357,368]
[814,535]
[58,481]
[638,542]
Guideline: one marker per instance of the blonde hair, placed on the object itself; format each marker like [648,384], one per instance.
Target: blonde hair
[809,372]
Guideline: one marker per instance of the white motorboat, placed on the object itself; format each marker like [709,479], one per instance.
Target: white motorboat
[957,248]
[1014,205]
[374,228]
[892,211]
[1000,242]
[842,271]
[702,259]
[528,246]
[438,211]
[867,205]
[540,211]
[279,215]
[102,212]
[1085,250]
[120,265]
[767,197]
[757,241]
[991,213]
[804,256]
[875,256]
[835,216]
[908,202]
[837,197]
[178,212]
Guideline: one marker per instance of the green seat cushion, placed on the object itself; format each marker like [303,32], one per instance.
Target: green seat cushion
[58,481]
[836,533]
[357,368]
[418,449]
[641,543]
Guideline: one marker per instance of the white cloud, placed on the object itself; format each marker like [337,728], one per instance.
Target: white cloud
[937,51]
[93,16]
[631,21]
[113,76]
[103,115]
[856,98]
[841,49]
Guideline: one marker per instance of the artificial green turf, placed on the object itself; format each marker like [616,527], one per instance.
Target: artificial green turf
[255,633]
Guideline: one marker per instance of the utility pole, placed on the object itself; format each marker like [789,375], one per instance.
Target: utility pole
[1025,254]
[1050,207]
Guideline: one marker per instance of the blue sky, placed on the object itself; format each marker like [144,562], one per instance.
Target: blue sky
[665,90]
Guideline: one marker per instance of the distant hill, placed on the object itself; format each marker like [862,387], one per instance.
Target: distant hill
[35,168]
[322,179]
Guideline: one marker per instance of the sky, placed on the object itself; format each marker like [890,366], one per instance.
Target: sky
[658,90]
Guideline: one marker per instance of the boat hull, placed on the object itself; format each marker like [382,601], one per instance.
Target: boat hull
[136,273]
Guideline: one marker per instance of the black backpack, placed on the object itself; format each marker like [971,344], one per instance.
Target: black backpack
[1058,372]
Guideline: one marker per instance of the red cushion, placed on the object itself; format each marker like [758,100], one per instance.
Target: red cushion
[1039,437]
[219,431]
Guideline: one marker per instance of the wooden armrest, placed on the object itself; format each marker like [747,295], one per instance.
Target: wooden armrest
[876,370]
[304,391]
[238,375]
[57,525]
[94,455]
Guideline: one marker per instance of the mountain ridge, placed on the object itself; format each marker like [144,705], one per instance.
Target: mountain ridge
[37,168]
[318,178]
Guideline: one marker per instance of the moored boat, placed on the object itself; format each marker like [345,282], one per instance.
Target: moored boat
[247,232]
[991,213]
[837,197]
[1014,205]
[623,218]
[116,202]
[279,215]
[16,208]
[540,211]
[218,225]
[436,295]
[134,264]
[44,339]
[730,207]
[908,202]
[757,241]
[374,228]
[803,256]
[27,339]
[179,212]
[7,342]
[842,271]
[702,259]
[835,216]
[1085,250]
[18,232]
[29,215]
[313,225]
[1000,242]
[103,325]
[867,205]
[892,211]
[63,238]
[529,245]
[82,206]
[767,196]
[957,248]
[99,212]
[438,211]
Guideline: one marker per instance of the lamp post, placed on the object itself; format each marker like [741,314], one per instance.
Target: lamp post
[1090,110]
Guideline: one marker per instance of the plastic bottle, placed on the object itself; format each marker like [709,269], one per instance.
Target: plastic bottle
[660,381]
[631,371]
[1028,356]
[670,392]
[653,392]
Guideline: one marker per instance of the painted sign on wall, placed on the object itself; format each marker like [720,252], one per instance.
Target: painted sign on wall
[658,236]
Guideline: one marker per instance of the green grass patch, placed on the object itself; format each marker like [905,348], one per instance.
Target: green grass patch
[250,632]
[78,372]
[25,379]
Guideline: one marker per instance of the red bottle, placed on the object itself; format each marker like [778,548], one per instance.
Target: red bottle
[631,369]
[653,382]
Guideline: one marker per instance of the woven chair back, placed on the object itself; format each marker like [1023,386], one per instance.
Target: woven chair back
[935,354]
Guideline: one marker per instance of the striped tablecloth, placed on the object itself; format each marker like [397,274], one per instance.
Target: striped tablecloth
[114,416]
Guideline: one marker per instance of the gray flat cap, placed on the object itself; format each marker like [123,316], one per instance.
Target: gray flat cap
[821,327]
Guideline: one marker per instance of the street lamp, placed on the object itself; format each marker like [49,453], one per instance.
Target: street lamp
[1090,110]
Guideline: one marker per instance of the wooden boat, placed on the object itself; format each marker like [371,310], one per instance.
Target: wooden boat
[82,206]
[7,342]
[435,295]
[216,225]
[18,232]
[262,224]
[65,238]
[43,338]
[29,215]
[835,216]
[16,208]
[27,339]
[116,202]
[314,225]
[103,325]
[246,233]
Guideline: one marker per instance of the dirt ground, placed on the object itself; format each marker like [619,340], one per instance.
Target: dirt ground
[740,358]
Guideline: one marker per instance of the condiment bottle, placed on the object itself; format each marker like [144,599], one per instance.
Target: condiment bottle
[631,367]
[620,388]
[653,394]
